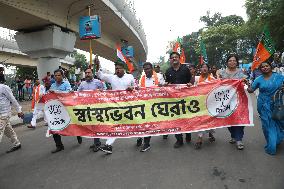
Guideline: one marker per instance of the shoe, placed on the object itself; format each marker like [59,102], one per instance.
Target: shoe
[188,139]
[95,147]
[165,137]
[232,141]
[198,145]
[58,149]
[106,148]
[240,145]
[139,142]
[31,127]
[14,148]
[178,144]
[211,138]
[79,139]
[145,148]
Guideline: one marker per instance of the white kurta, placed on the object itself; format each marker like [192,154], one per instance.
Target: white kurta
[38,106]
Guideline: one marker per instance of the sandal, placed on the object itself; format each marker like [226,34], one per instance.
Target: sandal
[197,145]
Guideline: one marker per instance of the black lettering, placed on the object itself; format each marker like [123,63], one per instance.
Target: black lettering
[194,106]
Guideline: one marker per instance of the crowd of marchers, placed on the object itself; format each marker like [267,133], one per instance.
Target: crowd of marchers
[264,82]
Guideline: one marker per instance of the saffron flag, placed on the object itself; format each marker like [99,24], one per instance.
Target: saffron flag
[124,59]
[203,54]
[264,50]
[149,111]
[178,48]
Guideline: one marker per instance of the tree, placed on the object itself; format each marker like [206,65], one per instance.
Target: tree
[233,20]
[266,12]
[224,35]
[80,60]
[210,21]
[191,47]
[23,72]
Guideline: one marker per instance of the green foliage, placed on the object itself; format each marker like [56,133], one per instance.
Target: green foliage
[191,47]
[80,60]
[266,12]
[23,72]
[220,41]
[210,21]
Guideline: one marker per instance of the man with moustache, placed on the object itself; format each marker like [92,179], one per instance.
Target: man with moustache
[91,83]
[119,81]
[60,86]
[149,79]
[178,74]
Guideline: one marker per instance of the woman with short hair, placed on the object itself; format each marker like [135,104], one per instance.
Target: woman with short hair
[232,72]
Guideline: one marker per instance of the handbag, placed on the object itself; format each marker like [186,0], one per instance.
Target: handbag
[278,108]
[28,118]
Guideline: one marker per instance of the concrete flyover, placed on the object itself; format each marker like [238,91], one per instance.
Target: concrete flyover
[11,55]
[57,21]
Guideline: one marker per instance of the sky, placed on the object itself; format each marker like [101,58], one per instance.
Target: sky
[165,20]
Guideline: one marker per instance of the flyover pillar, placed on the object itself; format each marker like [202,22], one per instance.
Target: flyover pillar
[48,45]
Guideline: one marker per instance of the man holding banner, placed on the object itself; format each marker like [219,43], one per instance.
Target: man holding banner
[91,84]
[119,81]
[149,79]
[60,86]
[178,74]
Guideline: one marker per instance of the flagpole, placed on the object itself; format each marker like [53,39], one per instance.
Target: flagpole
[90,42]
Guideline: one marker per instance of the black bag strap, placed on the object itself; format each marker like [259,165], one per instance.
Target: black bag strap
[278,98]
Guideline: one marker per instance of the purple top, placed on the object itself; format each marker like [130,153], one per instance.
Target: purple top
[91,85]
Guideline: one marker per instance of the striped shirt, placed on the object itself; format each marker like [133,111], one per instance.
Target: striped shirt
[6,99]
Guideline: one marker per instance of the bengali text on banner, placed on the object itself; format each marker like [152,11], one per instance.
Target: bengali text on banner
[149,111]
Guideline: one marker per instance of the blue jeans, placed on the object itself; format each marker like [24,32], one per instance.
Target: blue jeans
[29,92]
[237,132]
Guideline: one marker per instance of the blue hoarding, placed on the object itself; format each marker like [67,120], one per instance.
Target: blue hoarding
[128,51]
[90,27]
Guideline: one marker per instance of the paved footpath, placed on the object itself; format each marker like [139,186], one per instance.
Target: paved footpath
[216,166]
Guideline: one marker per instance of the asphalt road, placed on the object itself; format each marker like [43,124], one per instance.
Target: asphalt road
[219,165]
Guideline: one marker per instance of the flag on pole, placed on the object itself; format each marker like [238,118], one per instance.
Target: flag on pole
[177,48]
[203,55]
[124,59]
[264,50]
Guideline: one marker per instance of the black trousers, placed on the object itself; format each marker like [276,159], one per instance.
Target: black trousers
[180,138]
[97,141]
[147,140]
[57,140]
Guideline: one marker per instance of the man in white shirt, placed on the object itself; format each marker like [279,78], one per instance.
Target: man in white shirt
[149,79]
[38,92]
[6,99]
[119,81]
